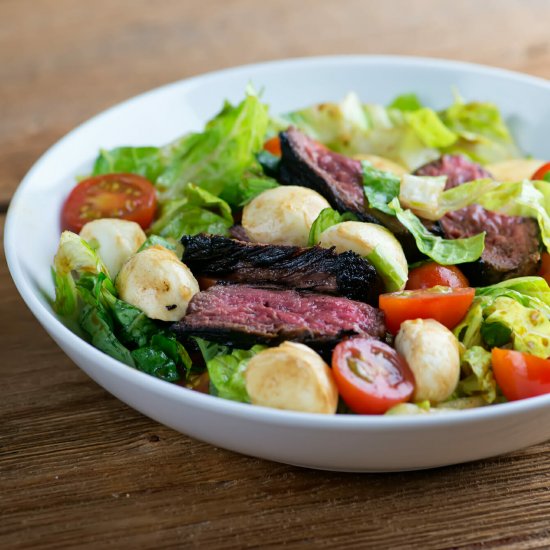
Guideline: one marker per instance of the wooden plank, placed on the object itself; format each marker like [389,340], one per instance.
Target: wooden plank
[63,61]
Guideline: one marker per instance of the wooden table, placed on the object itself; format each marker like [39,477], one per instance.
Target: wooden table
[79,468]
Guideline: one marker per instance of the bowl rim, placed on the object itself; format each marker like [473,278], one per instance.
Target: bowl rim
[185,396]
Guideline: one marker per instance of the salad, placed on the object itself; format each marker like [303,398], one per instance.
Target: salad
[342,258]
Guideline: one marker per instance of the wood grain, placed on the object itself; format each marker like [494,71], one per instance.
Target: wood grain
[80,469]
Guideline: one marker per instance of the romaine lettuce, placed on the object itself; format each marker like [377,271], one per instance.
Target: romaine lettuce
[520,306]
[148,162]
[85,294]
[476,377]
[327,218]
[226,368]
[196,211]
[442,251]
[218,156]
[406,131]
[380,187]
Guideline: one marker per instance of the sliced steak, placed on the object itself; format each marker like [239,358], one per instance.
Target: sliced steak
[239,232]
[512,245]
[457,168]
[316,269]
[242,315]
[339,179]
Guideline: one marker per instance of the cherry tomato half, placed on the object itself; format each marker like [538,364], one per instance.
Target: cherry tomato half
[444,304]
[433,274]
[273,146]
[125,196]
[520,375]
[370,375]
[544,269]
[543,173]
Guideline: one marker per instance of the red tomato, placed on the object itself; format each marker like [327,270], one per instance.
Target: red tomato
[273,146]
[520,375]
[543,173]
[371,377]
[544,269]
[433,274]
[444,304]
[126,196]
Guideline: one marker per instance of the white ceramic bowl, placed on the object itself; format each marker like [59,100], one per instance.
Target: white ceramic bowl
[347,443]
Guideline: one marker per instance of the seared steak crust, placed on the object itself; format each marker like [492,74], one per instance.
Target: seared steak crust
[309,164]
[242,315]
[316,269]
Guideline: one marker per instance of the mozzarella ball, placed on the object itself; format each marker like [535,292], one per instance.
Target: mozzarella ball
[114,241]
[283,215]
[158,283]
[514,169]
[384,164]
[432,352]
[363,238]
[292,377]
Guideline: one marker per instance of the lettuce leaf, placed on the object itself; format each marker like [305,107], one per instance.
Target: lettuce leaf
[406,102]
[442,251]
[226,368]
[197,211]
[86,295]
[430,129]
[477,375]
[217,157]
[250,186]
[74,258]
[380,187]
[520,306]
[406,131]
[482,133]
[162,357]
[148,162]
[327,218]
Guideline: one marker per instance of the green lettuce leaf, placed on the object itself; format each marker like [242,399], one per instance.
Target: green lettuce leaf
[157,240]
[430,129]
[217,157]
[197,211]
[523,198]
[148,162]
[529,327]
[98,326]
[422,194]
[532,292]
[85,293]
[406,131]
[327,218]
[380,187]
[483,134]
[477,375]
[406,102]
[226,368]
[74,258]
[515,312]
[442,251]
[250,186]
[162,357]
